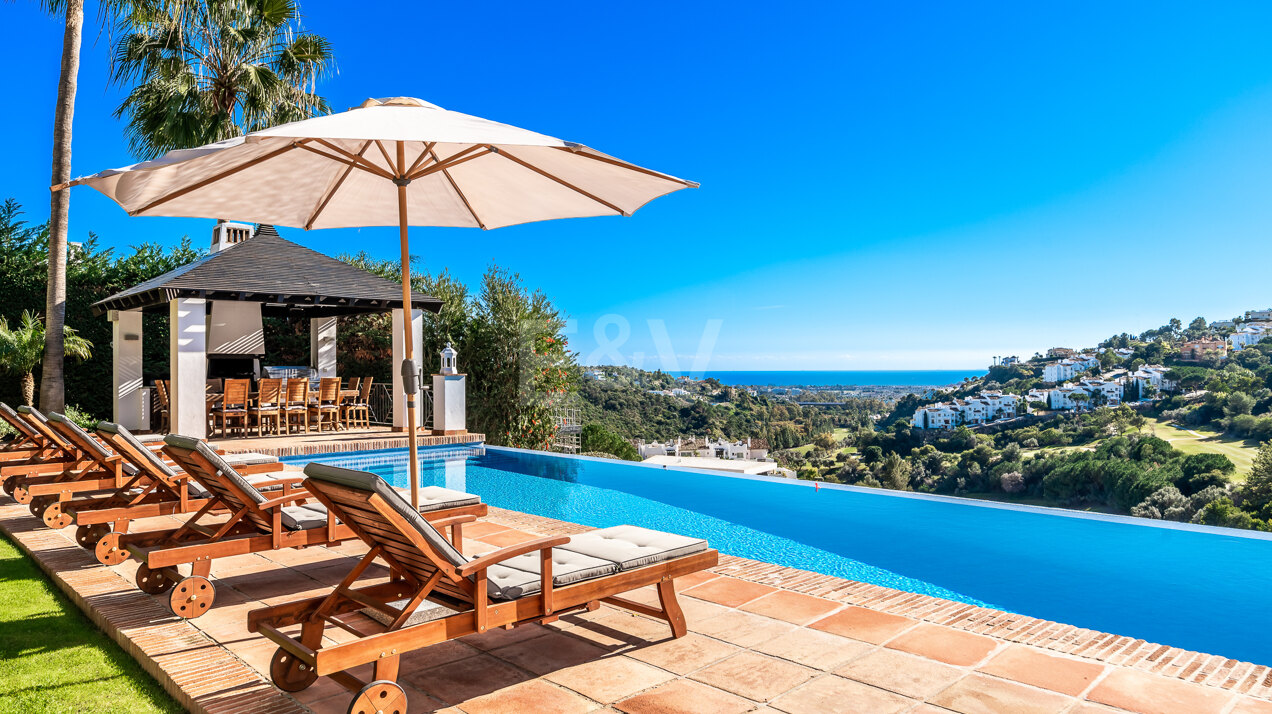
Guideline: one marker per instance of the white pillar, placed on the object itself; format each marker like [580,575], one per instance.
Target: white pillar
[399,354]
[188,328]
[322,345]
[449,405]
[128,409]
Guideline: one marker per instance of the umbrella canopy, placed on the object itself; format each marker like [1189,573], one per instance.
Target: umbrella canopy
[331,172]
[398,161]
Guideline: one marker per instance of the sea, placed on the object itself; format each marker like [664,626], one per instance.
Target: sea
[843,378]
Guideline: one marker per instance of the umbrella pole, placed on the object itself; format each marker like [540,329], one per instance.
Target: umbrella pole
[411,386]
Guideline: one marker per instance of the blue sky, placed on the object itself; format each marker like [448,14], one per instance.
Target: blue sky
[921,185]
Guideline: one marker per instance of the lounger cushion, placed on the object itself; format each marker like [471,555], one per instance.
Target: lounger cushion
[631,547]
[436,498]
[201,447]
[301,518]
[39,416]
[249,458]
[366,481]
[520,576]
[7,413]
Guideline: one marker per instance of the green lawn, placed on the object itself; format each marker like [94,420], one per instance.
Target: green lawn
[1203,440]
[54,659]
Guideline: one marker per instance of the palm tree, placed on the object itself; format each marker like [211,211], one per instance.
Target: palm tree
[22,347]
[52,388]
[206,70]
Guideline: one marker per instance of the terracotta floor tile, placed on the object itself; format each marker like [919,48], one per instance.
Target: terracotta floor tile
[499,637]
[730,592]
[482,528]
[742,628]
[683,697]
[861,623]
[901,673]
[684,582]
[1150,694]
[1028,665]
[979,694]
[434,655]
[457,682]
[553,651]
[611,679]
[685,654]
[835,694]
[638,629]
[533,697]
[820,650]
[754,676]
[792,607]
[506,538]
[1247,705]
[944,644]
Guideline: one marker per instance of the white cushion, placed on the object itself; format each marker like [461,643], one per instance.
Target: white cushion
[631,547]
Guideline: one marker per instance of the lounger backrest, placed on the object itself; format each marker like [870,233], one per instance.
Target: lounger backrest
[40,424]
[17,422]
[376,529]
[210,470]
[78,437]
[131,448]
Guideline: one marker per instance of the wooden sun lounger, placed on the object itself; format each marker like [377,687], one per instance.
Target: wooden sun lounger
[55,457]
[26,445]
[532,582]
[256,524]
[156,489]
[86,466]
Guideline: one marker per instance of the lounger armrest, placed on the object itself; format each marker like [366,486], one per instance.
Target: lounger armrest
[268,467]
[284,500]
[452,521]
[511,551]
[300,477]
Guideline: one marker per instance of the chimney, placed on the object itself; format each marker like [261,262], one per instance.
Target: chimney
[226,234]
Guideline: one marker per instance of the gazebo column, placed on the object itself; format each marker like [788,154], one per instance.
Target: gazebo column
[188,328]
[399,354]
[127,407]
[322,345]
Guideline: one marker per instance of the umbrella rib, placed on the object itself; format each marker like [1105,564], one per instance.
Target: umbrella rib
[625,165]
[563,182]
[452,161]
[369,168]
[393,168]
[217,177]
[427,151]
[359,159]
[332,193]
[455,186]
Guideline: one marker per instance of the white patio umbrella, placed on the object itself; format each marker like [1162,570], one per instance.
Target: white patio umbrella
[398,161]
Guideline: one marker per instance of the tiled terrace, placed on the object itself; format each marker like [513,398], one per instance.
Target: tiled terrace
[762,638]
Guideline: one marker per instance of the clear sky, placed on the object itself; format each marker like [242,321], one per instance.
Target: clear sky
[884,185]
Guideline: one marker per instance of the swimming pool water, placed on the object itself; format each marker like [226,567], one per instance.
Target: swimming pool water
[1193,588]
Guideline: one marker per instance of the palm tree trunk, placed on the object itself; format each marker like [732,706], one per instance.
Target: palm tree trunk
[28,389]
[52,387]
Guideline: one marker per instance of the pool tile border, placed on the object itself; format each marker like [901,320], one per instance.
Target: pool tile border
[310,446]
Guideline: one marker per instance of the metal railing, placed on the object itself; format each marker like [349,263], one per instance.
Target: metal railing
[381,402]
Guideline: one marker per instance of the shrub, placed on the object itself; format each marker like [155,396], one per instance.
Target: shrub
[1013,482]
[1166,503]
[1224,512]
[596,438]
[82,419]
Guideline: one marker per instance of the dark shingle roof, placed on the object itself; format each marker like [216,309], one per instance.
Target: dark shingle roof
[272,270]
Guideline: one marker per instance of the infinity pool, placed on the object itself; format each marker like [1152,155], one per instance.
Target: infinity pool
[1204,589]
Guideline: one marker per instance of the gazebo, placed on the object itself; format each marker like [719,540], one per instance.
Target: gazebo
[216,303]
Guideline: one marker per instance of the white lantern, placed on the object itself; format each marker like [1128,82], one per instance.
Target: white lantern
[448,360]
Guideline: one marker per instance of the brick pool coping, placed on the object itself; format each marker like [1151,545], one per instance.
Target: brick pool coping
[196,666]
[314,444]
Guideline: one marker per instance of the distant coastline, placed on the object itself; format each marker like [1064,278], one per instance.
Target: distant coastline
[839,378]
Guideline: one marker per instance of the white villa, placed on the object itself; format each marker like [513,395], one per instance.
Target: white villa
[1259,315]
[981,409]
[1250,334]
[1068,368]
[594,375]
[750,449]
[1153,374]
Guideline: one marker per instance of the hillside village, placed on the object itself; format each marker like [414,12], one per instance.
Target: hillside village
[1091,378]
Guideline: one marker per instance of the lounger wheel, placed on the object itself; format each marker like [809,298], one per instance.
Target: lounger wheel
[40,503]
[21,495]
[289,673]
[55,517]
[192,597]
[87,536]
[108,551]
[154,582]
[9,485]
[379,697]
